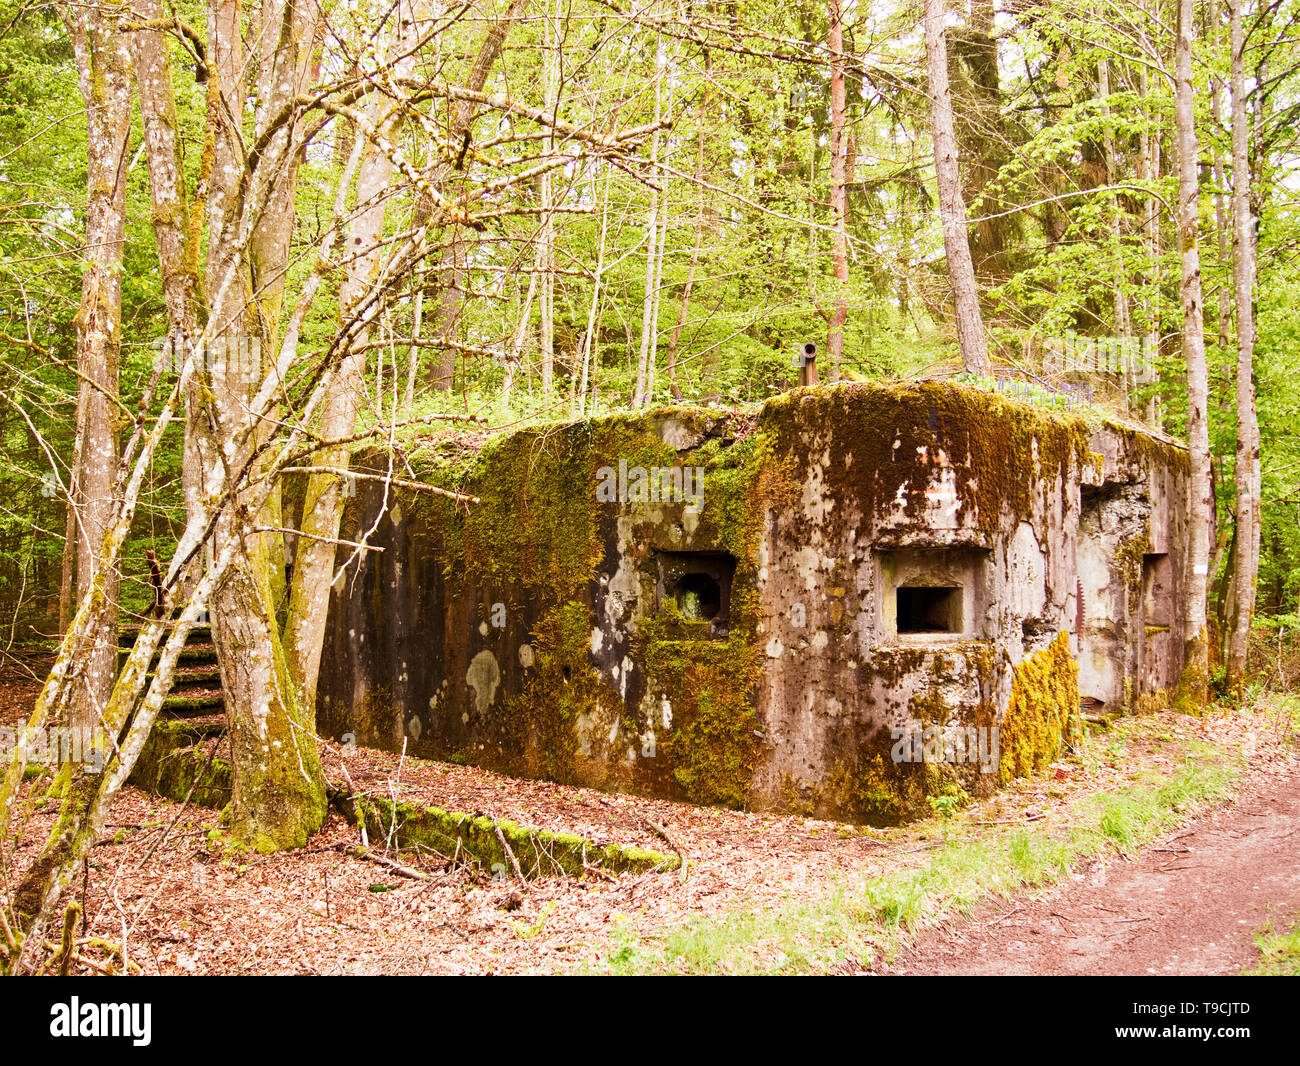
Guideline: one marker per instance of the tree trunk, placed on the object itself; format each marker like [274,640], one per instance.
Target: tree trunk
[1221,225]
[652,366]
[690,271]
[1149,168]
[591,339]
[1193,688]
[649,327]
[104,66]
[1246,556]
[546,199]
[170,215]
[1123,319]
[313,574]
[839,197]
[952,208]
[67,574]
[515,353]
[287,46]
[287,43]
[450,298]
[546,333]
[279,788]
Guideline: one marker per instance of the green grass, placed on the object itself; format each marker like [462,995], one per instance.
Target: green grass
[969,864]
[798,938]
[1279,953]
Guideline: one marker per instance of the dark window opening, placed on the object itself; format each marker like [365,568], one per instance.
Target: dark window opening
[929,610]
[698,597]
[700,584]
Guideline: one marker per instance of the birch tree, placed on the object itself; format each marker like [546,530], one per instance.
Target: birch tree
[952,206]
[1245,561]
[1200,488]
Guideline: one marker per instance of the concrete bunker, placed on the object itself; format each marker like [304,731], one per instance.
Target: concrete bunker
[855,562]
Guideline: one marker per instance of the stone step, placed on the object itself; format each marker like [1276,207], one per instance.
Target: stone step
[202,675]
[196,685]
[191,655]
[127,633]
[194,704]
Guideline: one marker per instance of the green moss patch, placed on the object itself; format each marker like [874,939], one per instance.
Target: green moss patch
[175,760]
[877,791]
[536,731]
[883,436]
[716,734]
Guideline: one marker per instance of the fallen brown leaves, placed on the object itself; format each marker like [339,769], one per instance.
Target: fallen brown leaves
[195,904]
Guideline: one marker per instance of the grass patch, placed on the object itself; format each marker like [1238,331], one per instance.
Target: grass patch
[969,864]
[796,939]
[1279,953]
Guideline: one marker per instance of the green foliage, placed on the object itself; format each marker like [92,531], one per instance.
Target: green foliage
[1030,392]
[1060,241]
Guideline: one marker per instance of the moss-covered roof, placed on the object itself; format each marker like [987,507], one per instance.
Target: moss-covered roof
[453,457]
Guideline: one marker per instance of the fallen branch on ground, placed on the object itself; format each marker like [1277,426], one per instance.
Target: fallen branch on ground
[660,831]
[509,853]
[398,868]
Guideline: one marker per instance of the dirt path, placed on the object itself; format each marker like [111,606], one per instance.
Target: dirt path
[1189,905]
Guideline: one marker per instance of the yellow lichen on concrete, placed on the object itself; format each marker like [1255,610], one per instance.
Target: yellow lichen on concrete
[1043,711]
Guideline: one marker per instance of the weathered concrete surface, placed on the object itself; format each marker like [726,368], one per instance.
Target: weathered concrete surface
[738,610]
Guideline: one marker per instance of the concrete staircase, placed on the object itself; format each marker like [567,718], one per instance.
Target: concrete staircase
[196,686]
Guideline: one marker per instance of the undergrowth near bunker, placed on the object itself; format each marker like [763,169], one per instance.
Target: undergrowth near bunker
[867,921]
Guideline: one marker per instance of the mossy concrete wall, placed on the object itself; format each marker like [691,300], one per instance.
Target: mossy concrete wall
[553,631]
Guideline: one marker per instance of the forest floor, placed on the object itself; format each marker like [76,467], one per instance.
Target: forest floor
[1162,845]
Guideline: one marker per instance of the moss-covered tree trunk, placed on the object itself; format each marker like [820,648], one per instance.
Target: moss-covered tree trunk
[279,789]
[170,214]
[104,74]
